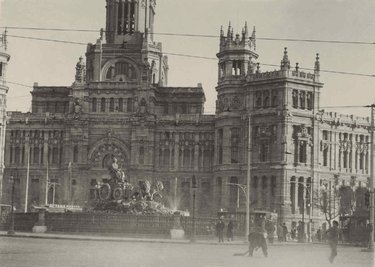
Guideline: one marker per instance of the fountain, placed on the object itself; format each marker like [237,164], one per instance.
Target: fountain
[176,232]
[120,196]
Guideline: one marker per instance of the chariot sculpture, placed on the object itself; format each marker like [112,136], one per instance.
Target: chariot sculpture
[118,188]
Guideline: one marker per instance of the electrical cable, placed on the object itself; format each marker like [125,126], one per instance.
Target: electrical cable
[195,35]
[193,56]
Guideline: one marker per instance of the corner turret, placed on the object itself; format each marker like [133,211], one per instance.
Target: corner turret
[236,54]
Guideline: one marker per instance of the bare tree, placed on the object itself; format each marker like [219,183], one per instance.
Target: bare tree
[327,200]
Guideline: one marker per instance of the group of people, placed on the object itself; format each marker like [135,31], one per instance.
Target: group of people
[220,227]
[295,232]
[257,237]
[282,232]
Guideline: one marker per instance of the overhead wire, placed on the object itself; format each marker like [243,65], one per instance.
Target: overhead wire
[194,35]
[193,56]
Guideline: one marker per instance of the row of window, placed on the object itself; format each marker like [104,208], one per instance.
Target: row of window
[18,155]
[266,99]
[346,154]
[302,99]
[19,134]
[235,142]
[300,190]
[126,17]
[111,105]
[50,106]
[237,68]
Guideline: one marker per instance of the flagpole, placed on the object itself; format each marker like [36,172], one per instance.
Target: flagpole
[27,180]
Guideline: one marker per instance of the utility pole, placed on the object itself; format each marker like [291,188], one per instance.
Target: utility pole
[47,184]
[27,181]
[371,238]
[248,183]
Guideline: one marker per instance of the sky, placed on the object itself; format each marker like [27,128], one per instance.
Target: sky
[53,64]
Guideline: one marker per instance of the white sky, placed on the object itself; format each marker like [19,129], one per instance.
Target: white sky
[54,63]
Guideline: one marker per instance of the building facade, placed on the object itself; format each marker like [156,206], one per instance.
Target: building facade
[4,59]
[120,106]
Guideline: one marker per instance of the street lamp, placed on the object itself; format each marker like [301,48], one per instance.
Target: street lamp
[194,186]
[11,228]
[308,190]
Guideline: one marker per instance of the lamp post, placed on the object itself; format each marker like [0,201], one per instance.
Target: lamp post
[194,187]
[308,190]
[11,228]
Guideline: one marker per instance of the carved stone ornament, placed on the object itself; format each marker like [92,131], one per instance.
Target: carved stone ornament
[345,145]
[303,132]
[236,102]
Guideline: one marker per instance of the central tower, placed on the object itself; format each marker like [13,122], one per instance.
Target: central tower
[126,17]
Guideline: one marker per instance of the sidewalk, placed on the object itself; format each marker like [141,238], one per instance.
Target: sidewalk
[94,237]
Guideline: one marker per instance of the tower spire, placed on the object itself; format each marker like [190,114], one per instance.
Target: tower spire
[253,39]
[229,30]
[285,63]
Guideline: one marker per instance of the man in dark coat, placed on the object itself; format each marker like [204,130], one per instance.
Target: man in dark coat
[333,238]
[220,230]
[285,231]
[230,230]
[256,239]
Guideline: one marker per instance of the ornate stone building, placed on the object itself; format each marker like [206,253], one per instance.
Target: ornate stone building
[121,106]
[4,59]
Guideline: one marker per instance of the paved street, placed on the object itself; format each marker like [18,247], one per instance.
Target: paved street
[50,252]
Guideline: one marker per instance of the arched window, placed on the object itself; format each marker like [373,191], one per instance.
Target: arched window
[295,98]
[109,73]
[301,190]
[55,155]
[75,154]
[129,105]
[111,105]
[141,155]
[102,105]
[94,104]
[36,155]
[266,99]
[293,194]
[120,105]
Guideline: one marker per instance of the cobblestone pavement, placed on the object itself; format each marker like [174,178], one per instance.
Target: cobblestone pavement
[50,252]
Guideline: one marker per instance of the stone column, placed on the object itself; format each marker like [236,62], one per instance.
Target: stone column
[176,151]
[259,192]
[116,17]
[226,145]
[196,152]
[269,195]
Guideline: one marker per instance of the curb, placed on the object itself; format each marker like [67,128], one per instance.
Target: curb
[147,240]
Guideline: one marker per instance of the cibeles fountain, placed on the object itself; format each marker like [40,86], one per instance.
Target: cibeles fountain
[176,232]
[118,195]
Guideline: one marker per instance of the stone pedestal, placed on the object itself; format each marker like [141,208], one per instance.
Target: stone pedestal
[40,226]
[177,232]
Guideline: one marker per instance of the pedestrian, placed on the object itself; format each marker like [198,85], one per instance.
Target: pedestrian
[280,232]
[293,233]
[301,232]
[333,238]
[257,239]
[230,230]
[285,232]
[319,235]
[270,228]
[220,230]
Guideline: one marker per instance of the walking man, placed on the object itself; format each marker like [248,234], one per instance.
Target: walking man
[220,230]
[333,238]
[230,230]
